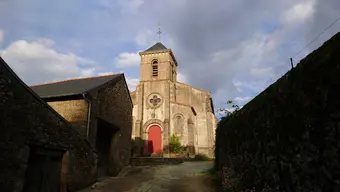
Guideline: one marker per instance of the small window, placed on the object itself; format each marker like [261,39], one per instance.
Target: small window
[155,68]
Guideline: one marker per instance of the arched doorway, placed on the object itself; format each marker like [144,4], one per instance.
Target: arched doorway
[155,139]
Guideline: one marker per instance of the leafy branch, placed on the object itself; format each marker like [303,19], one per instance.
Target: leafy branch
[226,111]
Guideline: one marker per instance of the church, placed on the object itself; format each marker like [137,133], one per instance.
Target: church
[163,107]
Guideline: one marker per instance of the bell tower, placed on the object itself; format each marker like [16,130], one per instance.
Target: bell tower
[158,63]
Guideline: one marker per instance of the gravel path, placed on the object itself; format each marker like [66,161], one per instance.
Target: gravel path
[186,177]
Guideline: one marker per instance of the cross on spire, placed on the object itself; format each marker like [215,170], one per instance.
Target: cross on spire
[159,32]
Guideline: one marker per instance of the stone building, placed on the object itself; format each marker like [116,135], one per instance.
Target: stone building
[163,107]
[100,109]
[35,141]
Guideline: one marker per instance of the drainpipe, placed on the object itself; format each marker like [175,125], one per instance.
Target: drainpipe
[88,115]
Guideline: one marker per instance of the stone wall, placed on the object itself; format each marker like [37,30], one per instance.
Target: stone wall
[74,111]
[189,103]
[191,96]
[26,120]
[185,113]
[288,136]
[165,65]
[115,107]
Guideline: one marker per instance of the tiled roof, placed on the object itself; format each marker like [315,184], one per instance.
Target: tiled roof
[156,47]
[72,86]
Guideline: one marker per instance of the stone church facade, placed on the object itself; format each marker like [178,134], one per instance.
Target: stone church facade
[163,107]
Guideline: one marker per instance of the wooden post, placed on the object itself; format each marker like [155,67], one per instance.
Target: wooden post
[291,62]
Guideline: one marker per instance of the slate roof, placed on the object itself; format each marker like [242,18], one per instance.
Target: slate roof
[72,86]
[156,47]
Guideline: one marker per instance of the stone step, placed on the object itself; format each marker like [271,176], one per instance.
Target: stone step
[156,155]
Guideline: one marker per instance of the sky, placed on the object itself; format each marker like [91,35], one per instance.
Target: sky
[231,48]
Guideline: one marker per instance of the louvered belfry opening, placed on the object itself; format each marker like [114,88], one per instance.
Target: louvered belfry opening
[155,68]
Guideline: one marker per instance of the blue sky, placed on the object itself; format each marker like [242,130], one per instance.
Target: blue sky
[237,47]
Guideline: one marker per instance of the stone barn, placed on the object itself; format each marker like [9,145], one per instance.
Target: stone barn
[35,141]
[100,109]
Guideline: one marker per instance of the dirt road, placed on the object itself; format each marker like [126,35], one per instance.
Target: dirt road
[186,177]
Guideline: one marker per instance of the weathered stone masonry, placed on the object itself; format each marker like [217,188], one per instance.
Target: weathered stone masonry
[178,109]
[25,122]
[116,107]
[288,136]
[75,112]
[100,109]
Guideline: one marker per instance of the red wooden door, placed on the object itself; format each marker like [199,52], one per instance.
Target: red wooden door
[155,139]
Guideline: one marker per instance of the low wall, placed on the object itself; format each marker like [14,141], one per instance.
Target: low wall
[288,137]
[146,161]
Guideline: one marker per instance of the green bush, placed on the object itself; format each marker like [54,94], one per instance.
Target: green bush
[202,157]
[175,144]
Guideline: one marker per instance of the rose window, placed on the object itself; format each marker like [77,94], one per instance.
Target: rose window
[154,100]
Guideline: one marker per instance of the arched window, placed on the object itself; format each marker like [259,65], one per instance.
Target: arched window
[178,124]
[154,68]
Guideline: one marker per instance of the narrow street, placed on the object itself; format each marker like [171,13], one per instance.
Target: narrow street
[186,177]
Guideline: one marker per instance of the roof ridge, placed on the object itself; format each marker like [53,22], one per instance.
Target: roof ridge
[157,46]
[76,78]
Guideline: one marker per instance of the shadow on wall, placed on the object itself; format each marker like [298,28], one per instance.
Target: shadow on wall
[141,147]
[150,147]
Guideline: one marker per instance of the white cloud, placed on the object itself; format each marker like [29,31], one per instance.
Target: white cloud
[253,53]
[255,61]
[132,83]
[127,60]
[229,61]
[37,62]
[105,73]
[299,12]
[181,78]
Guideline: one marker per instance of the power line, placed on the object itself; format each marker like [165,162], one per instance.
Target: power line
[318,36]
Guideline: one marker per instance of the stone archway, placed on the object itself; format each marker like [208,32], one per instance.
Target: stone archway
[154,139]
